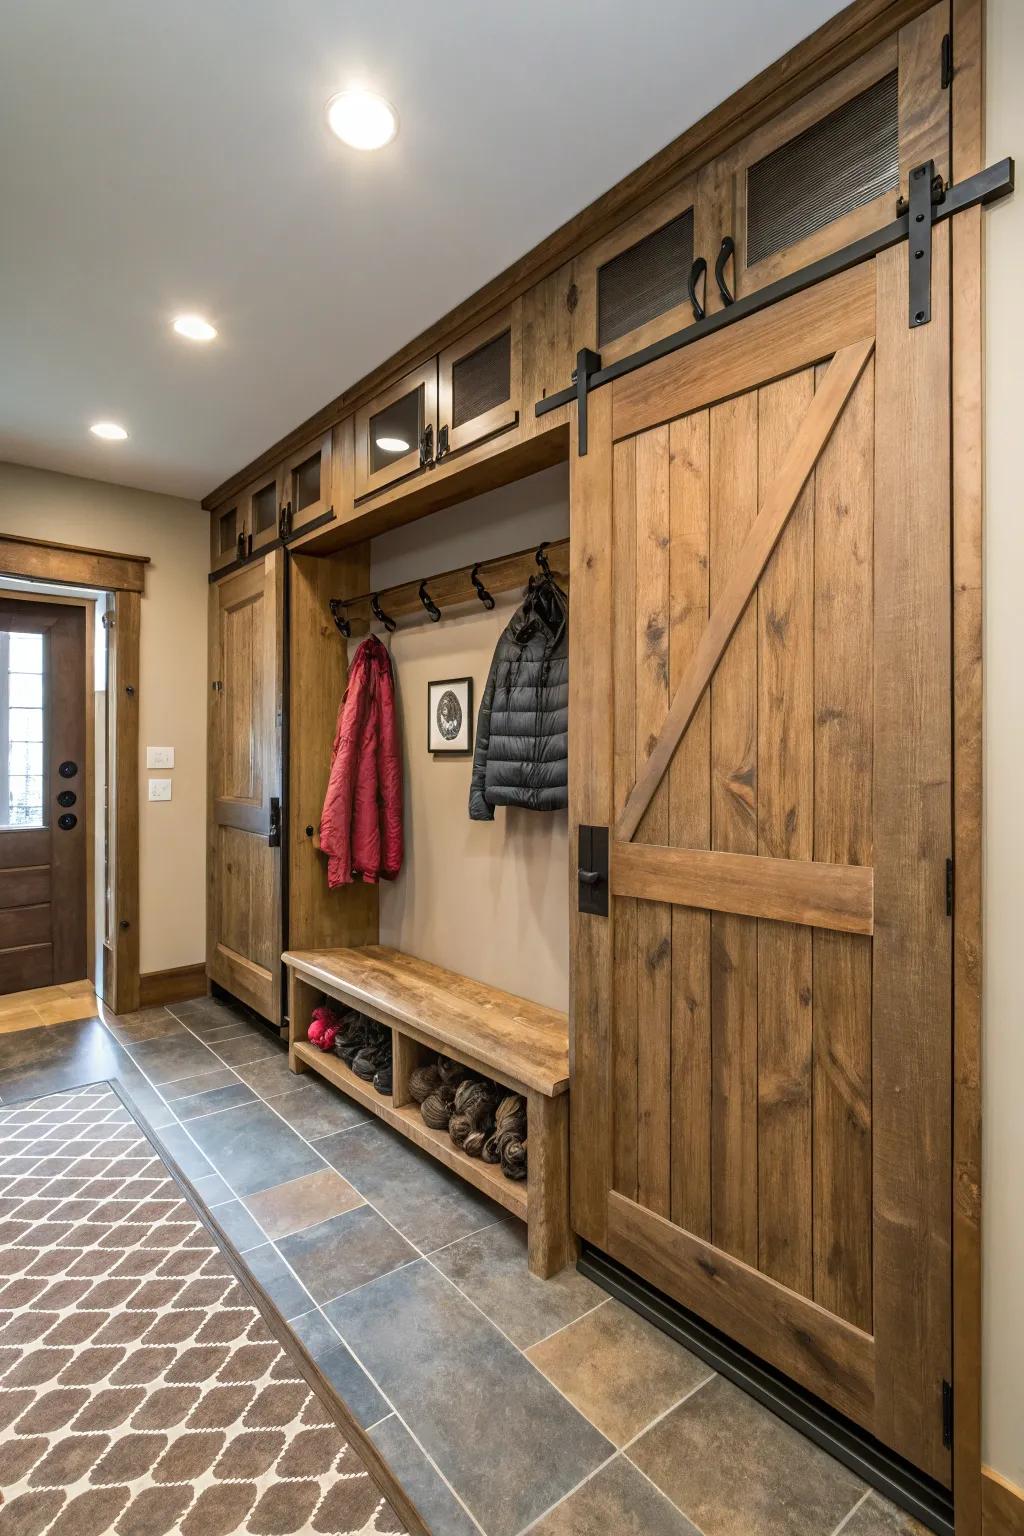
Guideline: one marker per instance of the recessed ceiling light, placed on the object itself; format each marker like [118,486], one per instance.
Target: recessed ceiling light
[393,444]
[110,431]
[195,328]
[362,120]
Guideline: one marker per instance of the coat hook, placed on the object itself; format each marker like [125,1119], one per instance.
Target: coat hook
[375,609]
[428,603]
[481,591]
[340,618]
[541,560]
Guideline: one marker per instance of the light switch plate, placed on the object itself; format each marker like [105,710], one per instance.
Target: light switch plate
[159,757]
[159,789]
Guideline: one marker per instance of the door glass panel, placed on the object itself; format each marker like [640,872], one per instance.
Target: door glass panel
[395,431]
[264,508]
[307,483]
[228,530]
[645,281]
[21,729]
[482,379]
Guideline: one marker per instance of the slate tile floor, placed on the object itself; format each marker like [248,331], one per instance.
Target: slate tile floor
[503,1403]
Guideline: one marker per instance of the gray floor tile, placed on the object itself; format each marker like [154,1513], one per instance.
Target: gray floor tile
[218,1077]
[334,1362]
[491,1268]
[347,1250]
[877,1517]
[617,1499]
[437,1504]
[272,1273]
[228,1097]
[252,1047]
[212,1189]
[733,1468]
[501,1435]
[239,1226]
[147,1024]
[318,1110]
[428,1205]
[252,1149]
[270,1078]
[206,1011]
[171,1057]
[184,1152]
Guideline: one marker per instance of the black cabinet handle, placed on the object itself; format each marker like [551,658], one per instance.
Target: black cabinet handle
[698,270]
[725,252]
[427,447]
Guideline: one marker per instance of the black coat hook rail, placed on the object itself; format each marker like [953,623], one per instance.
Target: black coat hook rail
[466,584]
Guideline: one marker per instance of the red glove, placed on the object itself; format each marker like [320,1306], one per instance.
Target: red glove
[316,1028]
[326,1040]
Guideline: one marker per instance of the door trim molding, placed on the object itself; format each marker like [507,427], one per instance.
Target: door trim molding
[45,560]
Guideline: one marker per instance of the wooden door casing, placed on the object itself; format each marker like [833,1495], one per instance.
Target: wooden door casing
[761,711]
[245,930]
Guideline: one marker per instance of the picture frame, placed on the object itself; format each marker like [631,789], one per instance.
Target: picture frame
[450,716]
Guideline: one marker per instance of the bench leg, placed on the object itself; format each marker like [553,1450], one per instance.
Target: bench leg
[550,1239]
[302,999]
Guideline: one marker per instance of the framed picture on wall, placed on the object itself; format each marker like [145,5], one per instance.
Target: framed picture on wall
[450,715]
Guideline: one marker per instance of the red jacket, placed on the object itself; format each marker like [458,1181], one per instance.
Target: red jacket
[361,826]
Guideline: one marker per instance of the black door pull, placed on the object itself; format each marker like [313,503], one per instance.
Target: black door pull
[590,876]
[274,830]
[592,870]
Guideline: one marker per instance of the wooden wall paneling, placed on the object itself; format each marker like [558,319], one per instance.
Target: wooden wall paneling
[924,105]
[842,39]
[843,666]
[123,790]
[591,789]
[968,156]
[785,830]
[653,919]
[317,676]
[733,510]
[690,827]
[549,346]
[625,969]
[912,808]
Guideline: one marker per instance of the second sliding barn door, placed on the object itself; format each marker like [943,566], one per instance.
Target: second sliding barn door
[761,716]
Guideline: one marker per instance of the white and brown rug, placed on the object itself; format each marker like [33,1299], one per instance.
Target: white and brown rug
[144,1388]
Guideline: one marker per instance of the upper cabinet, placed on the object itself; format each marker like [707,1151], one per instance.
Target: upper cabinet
[262,501]
[830,168]
[306,486]
[228,535]
[395,431]
[633,287]
[479,383]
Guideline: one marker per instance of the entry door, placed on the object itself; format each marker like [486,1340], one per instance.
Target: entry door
[246,700]
[761,715]
[44,786]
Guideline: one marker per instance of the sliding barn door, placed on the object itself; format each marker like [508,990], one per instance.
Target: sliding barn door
[244,918]
[761,716]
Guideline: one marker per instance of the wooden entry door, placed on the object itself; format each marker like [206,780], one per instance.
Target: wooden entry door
[45,782]
[245,938]
[761,715]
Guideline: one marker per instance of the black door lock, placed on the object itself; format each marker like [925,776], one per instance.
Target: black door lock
[593,870]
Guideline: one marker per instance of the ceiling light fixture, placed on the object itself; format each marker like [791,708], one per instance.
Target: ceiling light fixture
[195,328]
[362,120]
[110,431]
[393,444]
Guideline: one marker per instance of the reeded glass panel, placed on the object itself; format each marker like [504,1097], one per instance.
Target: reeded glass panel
[307,483]
[264,509]
[396,430]
[21,729]
[645,281]
[228,530]
[482,379]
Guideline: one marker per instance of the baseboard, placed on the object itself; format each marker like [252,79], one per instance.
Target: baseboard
[173,986]
[1002,1505]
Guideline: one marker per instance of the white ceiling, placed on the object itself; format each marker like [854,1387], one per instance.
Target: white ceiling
[159,157]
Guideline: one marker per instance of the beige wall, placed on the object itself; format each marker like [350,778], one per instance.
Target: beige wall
[172,688]
[488,899]
[1003,1210]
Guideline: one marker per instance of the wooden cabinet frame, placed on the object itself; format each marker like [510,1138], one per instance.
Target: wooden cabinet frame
[368,480]
[260,538]
[320,508]
[654,217]
[499,417]
[222,557]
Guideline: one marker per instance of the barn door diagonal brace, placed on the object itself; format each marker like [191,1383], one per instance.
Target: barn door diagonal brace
[987,186]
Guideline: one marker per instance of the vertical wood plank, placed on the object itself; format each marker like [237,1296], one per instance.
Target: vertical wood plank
[733,507]
[912,809]
[654,919]
[843,652]
[550,1243]
[785,830]
[625,1110]
[591,780]
[923,104]
[690,826]
[968,156]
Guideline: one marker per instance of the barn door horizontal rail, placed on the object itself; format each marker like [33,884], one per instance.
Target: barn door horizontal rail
[940,202]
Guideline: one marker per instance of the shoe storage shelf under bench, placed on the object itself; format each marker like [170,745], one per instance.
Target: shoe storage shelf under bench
[431,1011]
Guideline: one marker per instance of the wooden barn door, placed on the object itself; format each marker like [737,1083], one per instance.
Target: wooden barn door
[760,713]
[244,918]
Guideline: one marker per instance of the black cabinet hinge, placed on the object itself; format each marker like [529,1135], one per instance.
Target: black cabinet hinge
[946,63]
[950,886]
[947,1413]
[593,871]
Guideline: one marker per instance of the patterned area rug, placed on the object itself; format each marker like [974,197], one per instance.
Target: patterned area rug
[141,1390]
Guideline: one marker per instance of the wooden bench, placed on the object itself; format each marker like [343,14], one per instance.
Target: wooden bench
[430,1010]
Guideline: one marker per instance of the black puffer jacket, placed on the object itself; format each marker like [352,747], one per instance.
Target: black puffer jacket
[522,734]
